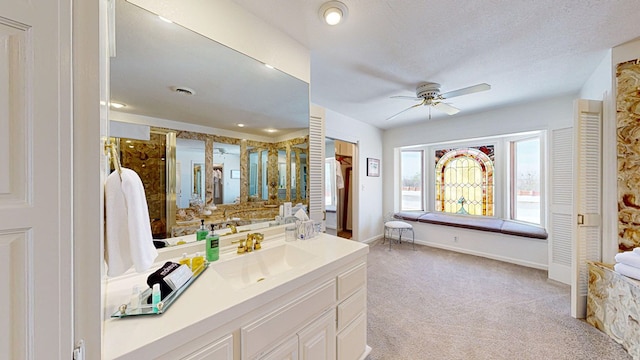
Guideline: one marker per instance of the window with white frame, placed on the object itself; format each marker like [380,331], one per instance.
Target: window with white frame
[525,180]
[467,178]
[412,178]
[329,182]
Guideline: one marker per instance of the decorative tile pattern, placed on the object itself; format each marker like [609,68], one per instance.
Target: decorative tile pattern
[613,306]
[628,135]
[147,158]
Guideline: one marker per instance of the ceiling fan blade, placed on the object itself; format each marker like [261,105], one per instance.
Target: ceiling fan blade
[406,97]
[409,108]
[465,91]
[446,108]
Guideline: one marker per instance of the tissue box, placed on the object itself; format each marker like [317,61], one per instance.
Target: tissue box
[306,230]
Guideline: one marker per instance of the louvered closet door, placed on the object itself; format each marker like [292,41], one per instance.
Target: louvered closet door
[316,164]
[561,223]
[587,211]
[575,230]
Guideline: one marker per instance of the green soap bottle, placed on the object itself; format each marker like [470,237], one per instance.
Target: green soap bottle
[213,250]
[202,233]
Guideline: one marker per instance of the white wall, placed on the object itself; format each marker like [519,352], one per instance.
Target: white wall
[600,86]
[367,195]
[541,115]
[600,80]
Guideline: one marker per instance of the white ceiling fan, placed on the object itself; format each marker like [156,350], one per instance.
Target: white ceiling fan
[428,94]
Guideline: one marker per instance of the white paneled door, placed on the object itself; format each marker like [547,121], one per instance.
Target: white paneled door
[35,186]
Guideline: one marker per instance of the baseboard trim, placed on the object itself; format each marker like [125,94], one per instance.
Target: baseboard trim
[371,239]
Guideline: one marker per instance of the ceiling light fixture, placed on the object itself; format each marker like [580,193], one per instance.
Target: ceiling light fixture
[271,130]
[333,12]
[240,125]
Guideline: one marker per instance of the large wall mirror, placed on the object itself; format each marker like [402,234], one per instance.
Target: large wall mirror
[228,136]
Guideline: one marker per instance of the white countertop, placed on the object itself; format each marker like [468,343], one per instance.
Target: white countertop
[211,300]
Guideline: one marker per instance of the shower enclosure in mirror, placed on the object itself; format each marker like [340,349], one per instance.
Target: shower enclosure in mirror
[179,82]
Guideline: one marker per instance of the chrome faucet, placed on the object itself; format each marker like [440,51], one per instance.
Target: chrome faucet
[233,228]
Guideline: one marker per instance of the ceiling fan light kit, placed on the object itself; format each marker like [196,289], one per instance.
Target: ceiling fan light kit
[428,93]
[333,12]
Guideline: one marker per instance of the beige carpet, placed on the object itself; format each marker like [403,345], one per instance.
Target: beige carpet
[438,304]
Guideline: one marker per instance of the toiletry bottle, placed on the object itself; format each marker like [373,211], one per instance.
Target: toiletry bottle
[134,304]
[213,251]
[197,263]
[185,260]
[155,297]
[201,234]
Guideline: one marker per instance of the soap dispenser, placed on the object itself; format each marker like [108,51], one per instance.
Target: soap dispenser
[213,250]
[201,234]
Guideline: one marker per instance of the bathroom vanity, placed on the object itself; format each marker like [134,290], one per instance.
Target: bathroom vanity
[288,300]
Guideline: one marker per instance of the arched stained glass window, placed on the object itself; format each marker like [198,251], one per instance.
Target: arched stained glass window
[464,182]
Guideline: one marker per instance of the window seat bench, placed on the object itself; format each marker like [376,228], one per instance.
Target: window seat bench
[491,224]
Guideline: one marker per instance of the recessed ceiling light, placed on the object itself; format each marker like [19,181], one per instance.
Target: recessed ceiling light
[271,130]
[333,12]
[165,19]
[240,125]
[116,105]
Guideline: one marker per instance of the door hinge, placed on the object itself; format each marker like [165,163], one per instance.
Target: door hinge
[580,219]
[78,351]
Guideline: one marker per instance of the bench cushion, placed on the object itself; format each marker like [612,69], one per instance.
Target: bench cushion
[519,229]
[409,215]
[476,223]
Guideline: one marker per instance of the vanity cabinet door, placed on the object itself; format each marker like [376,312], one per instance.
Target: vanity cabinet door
[317,340]
[218,350]
[286,351]
[352,341]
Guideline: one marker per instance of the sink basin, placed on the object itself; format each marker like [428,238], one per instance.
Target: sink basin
[251,268]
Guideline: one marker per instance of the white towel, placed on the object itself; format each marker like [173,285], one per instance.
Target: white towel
[630,258]
[626,270]
[339,177]
[128,240]
[637,250]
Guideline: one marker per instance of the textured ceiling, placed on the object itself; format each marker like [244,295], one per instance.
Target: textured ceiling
[526,50]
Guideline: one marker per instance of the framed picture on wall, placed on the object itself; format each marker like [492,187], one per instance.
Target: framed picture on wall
[373,167]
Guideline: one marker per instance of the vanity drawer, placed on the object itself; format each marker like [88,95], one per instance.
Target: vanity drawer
[351,308]
[351,280]
[258,336]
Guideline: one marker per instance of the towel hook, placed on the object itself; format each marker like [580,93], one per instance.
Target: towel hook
[110,148]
